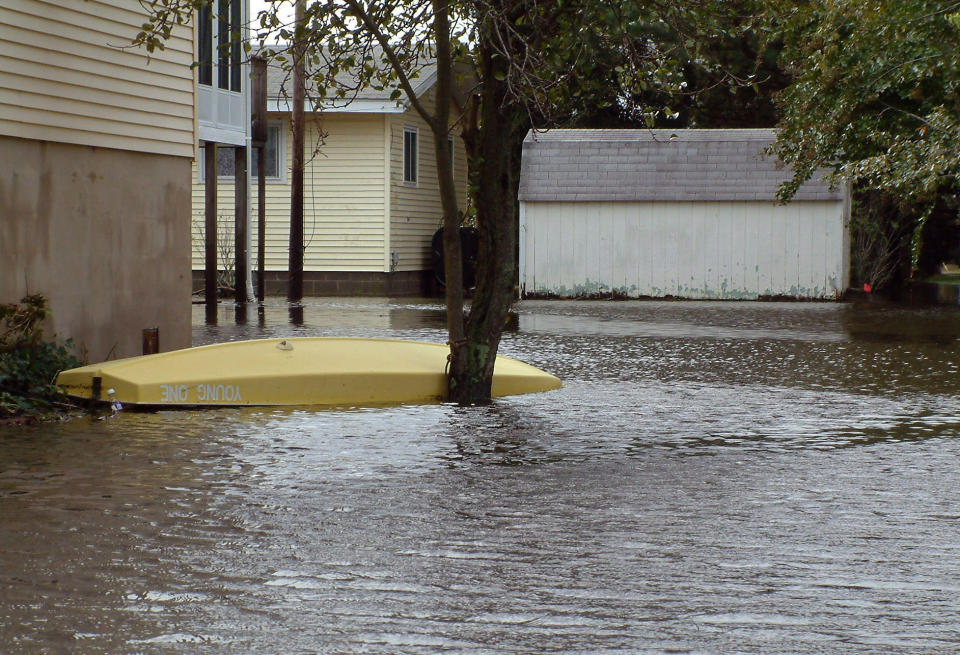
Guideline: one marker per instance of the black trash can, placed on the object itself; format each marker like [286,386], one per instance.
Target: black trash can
[469,245]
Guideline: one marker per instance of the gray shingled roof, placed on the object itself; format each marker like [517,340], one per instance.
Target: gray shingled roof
[656,165]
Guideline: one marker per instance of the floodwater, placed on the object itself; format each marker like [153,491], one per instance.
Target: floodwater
[712,478]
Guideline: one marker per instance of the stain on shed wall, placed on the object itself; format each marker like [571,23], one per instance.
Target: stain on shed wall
[718,250]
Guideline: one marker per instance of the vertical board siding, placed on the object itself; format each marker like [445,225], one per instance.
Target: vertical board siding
[68,74]
[722,250]
[416,212]
[343,200]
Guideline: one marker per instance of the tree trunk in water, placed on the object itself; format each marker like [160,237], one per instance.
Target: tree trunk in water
[440,125]
[496,148]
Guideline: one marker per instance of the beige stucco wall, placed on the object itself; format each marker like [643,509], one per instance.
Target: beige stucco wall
[105,235]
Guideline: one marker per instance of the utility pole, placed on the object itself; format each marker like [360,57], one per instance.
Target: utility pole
[295,291]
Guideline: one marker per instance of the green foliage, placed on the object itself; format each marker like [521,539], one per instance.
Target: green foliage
[881,234]
[20,324]
[29,364]
[874,101]
[874,95]
[164,16]
[706,66]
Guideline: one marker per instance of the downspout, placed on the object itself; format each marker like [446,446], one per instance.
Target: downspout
[248,123]
[387,153]
[522,247]
[845,239]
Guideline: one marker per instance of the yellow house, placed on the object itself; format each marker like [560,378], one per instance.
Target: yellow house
[371,197]
[96,145]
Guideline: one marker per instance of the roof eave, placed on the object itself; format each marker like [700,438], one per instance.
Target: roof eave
[284,105]
[361,105]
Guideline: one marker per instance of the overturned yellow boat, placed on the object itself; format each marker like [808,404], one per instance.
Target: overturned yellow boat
[298,371]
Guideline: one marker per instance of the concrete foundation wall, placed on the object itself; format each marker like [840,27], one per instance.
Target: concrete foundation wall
[347,283]
[103,234]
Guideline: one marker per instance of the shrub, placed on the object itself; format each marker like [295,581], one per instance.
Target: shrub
[28,364]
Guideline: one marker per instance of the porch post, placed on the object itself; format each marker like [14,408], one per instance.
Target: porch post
[295,259]
[240,224]
[261,220]
[258,140]
[210,229]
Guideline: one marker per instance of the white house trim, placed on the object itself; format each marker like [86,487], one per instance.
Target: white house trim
[355,107]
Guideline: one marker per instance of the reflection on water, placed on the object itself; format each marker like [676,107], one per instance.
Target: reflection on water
[712,478]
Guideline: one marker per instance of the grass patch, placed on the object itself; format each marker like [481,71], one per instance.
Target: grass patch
[944,278]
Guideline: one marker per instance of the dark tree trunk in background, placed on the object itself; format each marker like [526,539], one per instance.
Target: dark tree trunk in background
[295,289]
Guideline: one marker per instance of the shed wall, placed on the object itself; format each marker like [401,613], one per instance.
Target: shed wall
[719,250]
[65,76]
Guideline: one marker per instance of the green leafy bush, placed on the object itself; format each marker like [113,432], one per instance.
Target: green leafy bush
[28,364]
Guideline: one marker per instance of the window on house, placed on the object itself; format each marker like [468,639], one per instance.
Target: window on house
[273,154]
[272,157]
[410,155]
[219,46]
[223,44]
[205,45]
[236,20]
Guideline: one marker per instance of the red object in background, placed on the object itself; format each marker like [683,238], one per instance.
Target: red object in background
[867,288]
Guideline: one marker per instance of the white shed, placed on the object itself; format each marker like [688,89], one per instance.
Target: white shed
[681,213]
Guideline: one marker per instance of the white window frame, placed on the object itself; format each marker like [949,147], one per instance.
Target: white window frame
[281,176]
[453,154]
[415,166]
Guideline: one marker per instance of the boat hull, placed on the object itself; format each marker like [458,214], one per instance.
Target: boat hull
[296,371]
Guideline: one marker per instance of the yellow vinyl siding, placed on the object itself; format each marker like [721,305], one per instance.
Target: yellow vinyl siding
[416,212]
[70,75]
[343,201]
[354,216]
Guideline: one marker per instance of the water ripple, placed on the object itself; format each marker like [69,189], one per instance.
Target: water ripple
[712,478]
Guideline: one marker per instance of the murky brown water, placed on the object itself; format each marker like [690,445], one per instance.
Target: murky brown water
[712,478]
